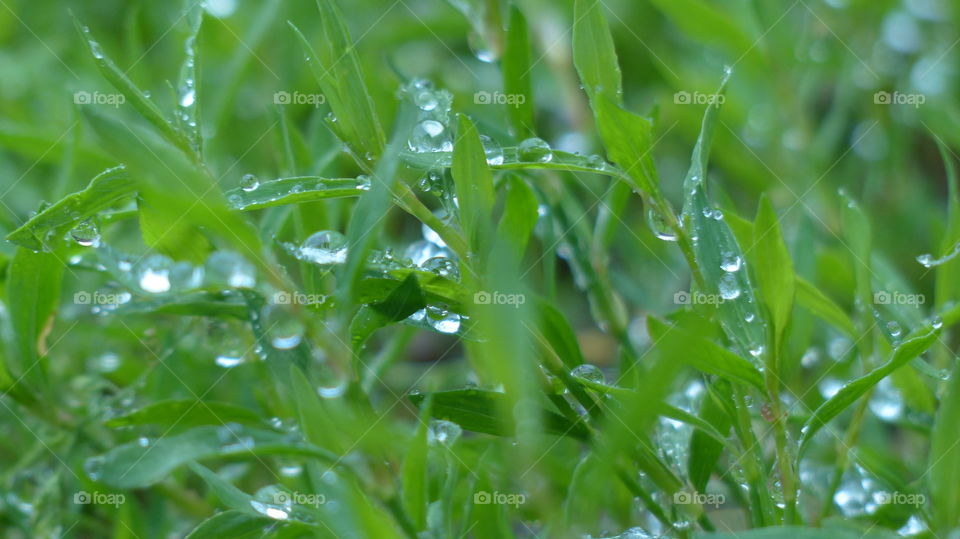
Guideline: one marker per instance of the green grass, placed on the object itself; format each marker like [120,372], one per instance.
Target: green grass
[479,268]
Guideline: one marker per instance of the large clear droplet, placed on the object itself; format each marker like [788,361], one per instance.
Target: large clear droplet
[325,247]
[589,373]
[86,233]
[535,150]
[729,287]
[443,432]
[443,320]
[154,274]
[281,326]
[430,136]
[492,150]
[249,182]
[659,227]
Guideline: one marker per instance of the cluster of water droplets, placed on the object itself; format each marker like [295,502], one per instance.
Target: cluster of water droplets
[432,132]
[158,274]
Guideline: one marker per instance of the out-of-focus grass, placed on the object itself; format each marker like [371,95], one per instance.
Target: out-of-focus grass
[300,308]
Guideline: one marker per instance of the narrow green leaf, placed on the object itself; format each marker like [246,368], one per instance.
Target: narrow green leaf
[472,178]
[318,427]
[943,476]
[238,524]
[415,473]
[718,255]
[703,354]
[773,268]
[705,450]
[137,98]
[295,190]
[947,285]
[517,65]
[628,138]
[188,98]
[133,465]
[33,290]
[478,410]
[104,190]
[519,215]
[855,389]
[815,301]
[594,54]
[186,413]
[336,66]
[559,334]
[560,160]
[405,299]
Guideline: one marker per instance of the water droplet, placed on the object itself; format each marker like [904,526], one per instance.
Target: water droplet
[281,326]
[442,266]
[757,350]
[154,274]
[325,247]
[249,182]
[894,329]
[730,262]
[535,150]
[143,441]
[365,182]
[333,391]
[185,276]
[425,100]
[86,233]
[749,317]
[729,287]
[590,373]
[188,98]
[480,48]
[936,322]
[492,150]
[659,227]
[443,432]
[269,510]
[420,251]
[228,267]
[94,467]
[227,361]
[443,320]
[430,136]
